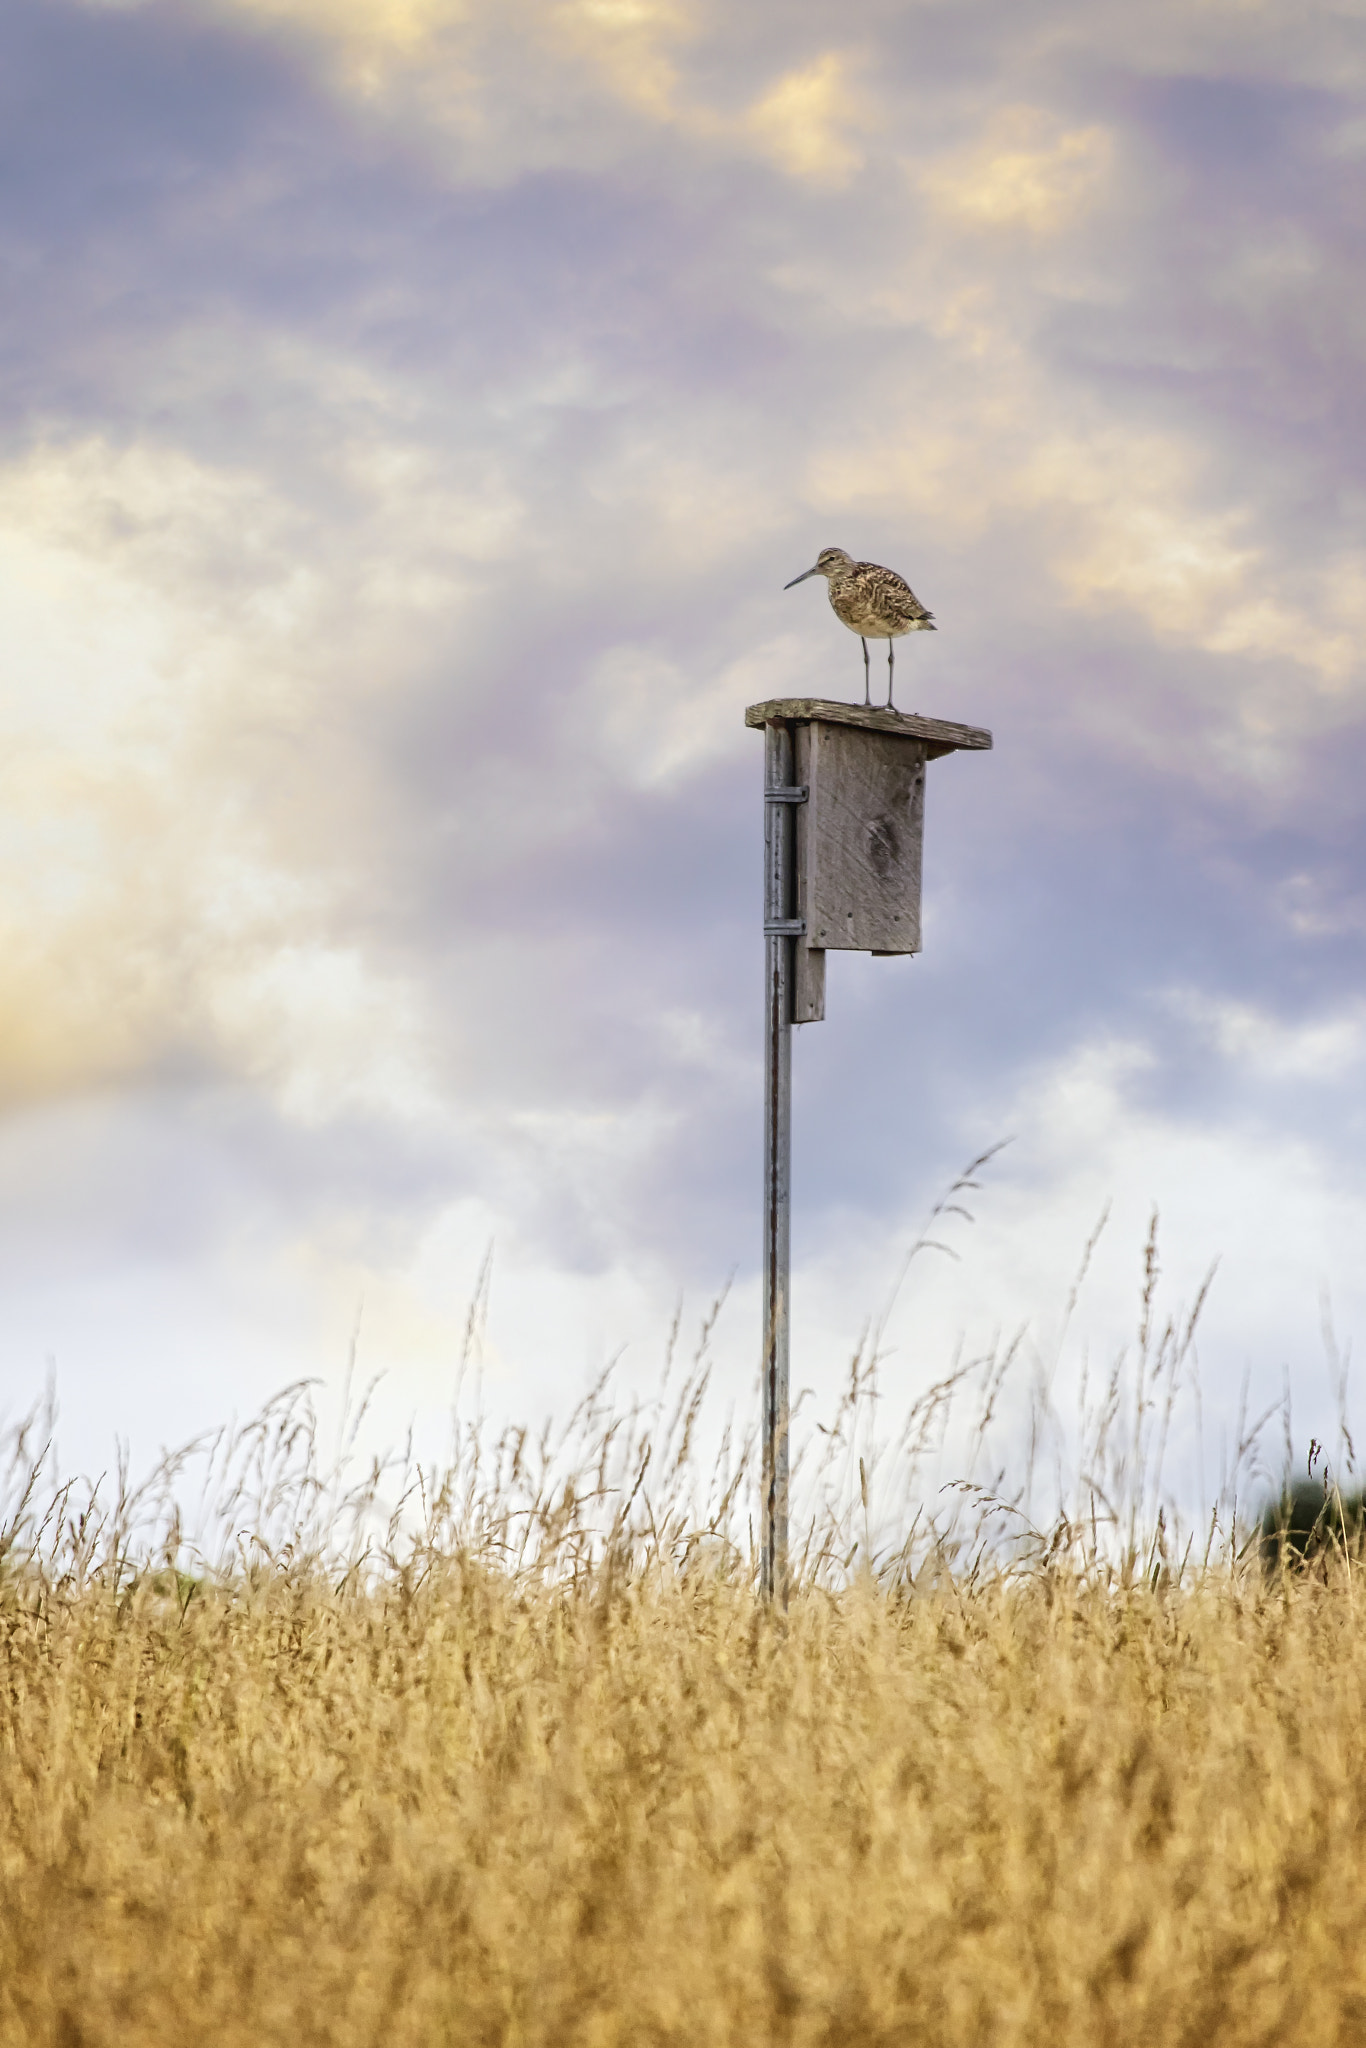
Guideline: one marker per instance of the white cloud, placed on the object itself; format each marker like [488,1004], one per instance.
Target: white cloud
[810,120]
[1325,1050]
[1027,171]
[451,538]
[655,723]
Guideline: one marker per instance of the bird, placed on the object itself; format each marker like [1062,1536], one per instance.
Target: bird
[869,599]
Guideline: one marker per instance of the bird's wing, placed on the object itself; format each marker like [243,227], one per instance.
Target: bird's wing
[892,593]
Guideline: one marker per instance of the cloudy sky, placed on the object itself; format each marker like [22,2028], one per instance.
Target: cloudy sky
[412,410]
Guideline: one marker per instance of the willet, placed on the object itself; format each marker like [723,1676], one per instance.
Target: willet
[869,599]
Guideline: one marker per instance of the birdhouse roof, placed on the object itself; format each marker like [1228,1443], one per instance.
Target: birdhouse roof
[941,735]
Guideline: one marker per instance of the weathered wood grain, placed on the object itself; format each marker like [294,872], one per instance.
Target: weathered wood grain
[859,888]
[808,961]
[941,735]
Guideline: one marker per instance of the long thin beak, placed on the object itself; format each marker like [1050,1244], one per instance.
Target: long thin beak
[800,579]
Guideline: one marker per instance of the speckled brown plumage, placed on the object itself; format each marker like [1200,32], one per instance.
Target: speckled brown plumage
[872,602]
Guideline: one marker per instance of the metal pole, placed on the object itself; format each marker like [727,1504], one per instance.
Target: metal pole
[780,928]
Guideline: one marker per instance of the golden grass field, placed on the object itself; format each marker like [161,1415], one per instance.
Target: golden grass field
[460,1809]
[529,1763]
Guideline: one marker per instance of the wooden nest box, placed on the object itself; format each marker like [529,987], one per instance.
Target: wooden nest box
[845,872]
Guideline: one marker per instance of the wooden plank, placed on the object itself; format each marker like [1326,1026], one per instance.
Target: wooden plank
[941,735]
[808,961]
[808,983]
[859,884]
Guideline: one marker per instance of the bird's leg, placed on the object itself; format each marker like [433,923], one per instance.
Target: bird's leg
[890,705]
[867,687]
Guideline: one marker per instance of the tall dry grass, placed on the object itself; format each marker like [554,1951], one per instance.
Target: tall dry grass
[511,1753]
